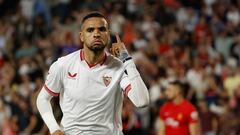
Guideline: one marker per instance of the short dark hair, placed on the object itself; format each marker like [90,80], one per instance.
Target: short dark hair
[93,14]
[177,83]
[183,87]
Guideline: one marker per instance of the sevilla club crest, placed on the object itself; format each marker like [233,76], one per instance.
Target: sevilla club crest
[107,80]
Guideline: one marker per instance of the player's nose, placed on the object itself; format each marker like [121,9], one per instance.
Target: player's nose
[96,33]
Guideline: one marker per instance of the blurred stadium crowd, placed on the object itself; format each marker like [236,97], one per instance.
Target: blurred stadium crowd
[195,41]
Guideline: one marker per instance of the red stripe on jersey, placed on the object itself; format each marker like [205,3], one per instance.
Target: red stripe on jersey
[81,55]
[50,91]
[127,89]
[101,62]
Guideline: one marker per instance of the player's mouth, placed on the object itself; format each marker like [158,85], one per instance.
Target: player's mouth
[97,42]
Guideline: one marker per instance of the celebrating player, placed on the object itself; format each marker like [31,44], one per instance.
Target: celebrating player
[90,84]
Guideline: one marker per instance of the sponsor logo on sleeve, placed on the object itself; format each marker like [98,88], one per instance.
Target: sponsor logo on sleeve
[194,115]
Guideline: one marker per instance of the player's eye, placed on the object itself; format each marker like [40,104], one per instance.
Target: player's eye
[90,29]
[102,29]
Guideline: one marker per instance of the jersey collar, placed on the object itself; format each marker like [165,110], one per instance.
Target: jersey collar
[101,62]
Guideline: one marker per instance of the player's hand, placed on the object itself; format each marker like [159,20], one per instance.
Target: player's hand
[58,132]
[119,50]
[118,46]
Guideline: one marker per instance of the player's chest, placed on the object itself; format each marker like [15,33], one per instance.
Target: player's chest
[84,83]
[175,117]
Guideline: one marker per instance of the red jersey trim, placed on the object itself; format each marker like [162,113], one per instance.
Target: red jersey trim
[101,62]
[81,55]
[50,91]
[127,89]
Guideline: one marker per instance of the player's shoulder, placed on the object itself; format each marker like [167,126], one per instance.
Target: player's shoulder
[190,110]
[166,105]
[188,105]
[67,59]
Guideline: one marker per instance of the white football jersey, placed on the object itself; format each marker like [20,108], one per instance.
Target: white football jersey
[91,96]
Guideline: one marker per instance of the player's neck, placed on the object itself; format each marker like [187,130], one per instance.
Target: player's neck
[178,100]
[93,57]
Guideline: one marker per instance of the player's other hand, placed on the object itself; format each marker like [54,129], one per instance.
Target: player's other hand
[117,47]
[58,132]
[119,50]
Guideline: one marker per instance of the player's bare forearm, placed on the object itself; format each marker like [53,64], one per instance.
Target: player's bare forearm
[161,128]
[194,129]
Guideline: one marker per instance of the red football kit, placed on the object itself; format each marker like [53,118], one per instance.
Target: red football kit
[178,117]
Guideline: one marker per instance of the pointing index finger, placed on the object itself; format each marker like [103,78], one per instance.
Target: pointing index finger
[118,38]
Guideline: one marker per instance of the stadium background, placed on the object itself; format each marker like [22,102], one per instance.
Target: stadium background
[196,41]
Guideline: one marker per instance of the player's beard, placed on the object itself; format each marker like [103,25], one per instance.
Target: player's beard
[97,47]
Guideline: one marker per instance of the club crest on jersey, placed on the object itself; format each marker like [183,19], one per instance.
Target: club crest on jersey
[179,116]
[72,75]
[107,80]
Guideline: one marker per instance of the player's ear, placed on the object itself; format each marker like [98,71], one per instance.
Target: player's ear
[81,36]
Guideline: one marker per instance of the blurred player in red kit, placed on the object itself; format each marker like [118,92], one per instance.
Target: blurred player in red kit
[178,116]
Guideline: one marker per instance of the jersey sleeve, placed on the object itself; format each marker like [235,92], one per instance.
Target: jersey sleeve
[53,82]
[192,114]
[136,89]
[125,83]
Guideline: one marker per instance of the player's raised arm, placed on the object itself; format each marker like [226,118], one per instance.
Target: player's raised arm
[137,90]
